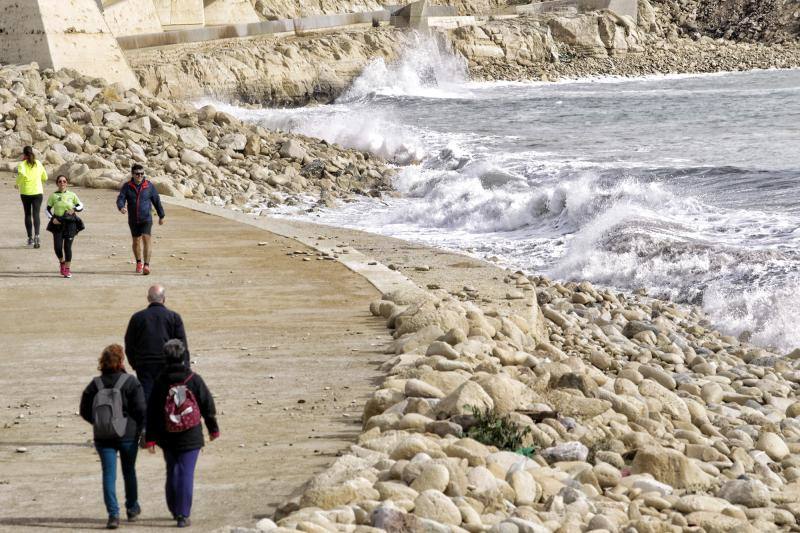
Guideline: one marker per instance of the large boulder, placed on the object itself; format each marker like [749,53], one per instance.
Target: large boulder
[461,401]
[580,32]
[747,492]
[670,467]
[434,505]
[445,314]
[194,138]
[507,394]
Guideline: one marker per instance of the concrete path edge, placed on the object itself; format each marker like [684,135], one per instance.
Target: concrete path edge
[306,233]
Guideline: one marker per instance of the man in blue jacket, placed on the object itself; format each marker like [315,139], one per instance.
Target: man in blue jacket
[140,195]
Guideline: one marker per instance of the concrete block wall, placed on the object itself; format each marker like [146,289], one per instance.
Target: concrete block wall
[131,17]
[298,26]
[62,34]
[627,8]
[222,12]
[176,14]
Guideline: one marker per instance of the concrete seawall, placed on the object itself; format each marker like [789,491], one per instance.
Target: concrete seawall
[297,26]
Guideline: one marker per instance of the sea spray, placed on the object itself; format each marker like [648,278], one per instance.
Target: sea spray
[673,184]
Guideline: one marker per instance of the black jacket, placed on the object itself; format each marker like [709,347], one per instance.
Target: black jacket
[133,405]
[148,331]
[191,439]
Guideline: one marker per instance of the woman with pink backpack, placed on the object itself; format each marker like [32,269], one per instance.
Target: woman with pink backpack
[179,400]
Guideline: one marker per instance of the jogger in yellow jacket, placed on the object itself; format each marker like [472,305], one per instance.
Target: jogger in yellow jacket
[30,177]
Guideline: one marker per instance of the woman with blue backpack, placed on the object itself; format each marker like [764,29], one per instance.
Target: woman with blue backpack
[179,400]
[113,403]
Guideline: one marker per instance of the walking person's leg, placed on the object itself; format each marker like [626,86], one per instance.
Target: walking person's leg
[184,485]
[127,455]
[171,460]
[68,256]
[37,223]
[146,243]
[136,246]
[27,207]
[58,247]
[108,460]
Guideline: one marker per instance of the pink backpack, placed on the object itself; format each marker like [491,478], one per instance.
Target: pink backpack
[181,410]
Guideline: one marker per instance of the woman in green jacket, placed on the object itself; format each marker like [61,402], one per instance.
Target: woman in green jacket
[30,176]
[64,224]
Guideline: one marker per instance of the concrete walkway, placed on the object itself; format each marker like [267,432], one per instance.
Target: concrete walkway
[287,346]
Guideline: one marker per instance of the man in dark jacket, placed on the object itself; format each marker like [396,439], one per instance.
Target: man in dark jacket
[148,331]
[139,194]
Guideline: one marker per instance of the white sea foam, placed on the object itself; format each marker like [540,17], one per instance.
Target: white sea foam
[683,190]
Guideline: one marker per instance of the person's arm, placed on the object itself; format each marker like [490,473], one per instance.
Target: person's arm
[180,333]
[207,408]
[137,407]
[43,173]
[156,199]
[77,201]
[130,341]
[86,402]
[51,200]
[121,198]
[20,176]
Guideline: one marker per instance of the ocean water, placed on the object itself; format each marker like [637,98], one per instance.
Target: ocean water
[688,186]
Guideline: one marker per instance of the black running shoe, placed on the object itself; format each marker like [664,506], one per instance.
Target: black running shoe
[133,514]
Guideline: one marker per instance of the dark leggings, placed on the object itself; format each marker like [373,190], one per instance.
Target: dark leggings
[33,205]
[62,243]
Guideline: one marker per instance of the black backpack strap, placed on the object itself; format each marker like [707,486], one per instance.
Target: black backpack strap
[121,381]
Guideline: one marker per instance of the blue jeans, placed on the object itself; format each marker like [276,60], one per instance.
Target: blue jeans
[108,458]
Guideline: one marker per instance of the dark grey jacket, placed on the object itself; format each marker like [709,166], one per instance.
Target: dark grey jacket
[133,404]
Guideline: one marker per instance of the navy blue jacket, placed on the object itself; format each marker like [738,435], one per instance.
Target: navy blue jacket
[139,198]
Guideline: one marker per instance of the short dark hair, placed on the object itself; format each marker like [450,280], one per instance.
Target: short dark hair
[62,176]
[174,351]
[137,167]
[28,150]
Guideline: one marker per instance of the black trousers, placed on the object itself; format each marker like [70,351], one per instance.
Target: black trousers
[32,204]
[62,246]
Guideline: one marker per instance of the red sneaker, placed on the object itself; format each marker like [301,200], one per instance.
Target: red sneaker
[146,269]
[139,267]
[67,273]
[61,268]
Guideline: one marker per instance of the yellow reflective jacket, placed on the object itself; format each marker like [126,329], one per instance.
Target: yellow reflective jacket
[30,178]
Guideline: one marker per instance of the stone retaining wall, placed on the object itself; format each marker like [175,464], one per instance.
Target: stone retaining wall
[299,26]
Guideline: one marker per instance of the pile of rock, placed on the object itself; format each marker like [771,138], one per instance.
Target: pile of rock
[754,20]
[93,132]
[553,46]
[642,418]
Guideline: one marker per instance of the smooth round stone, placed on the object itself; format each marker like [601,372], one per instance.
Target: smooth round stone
[711,393]
[773,445]
[432,477]
[436,506]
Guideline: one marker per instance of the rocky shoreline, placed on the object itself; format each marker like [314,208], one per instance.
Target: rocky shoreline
[639,416]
